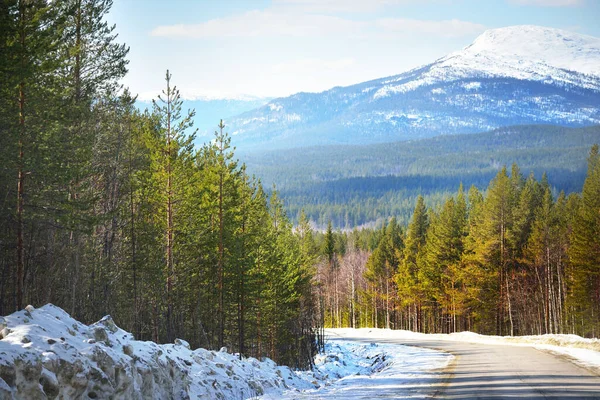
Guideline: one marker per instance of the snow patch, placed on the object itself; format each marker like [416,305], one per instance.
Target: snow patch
[472,85]
[365,370]
[275,107]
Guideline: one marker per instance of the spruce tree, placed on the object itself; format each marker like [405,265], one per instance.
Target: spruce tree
[407,278]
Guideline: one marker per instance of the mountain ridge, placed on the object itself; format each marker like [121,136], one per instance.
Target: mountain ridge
[488,84]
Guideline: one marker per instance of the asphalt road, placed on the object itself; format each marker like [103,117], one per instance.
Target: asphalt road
[482,371]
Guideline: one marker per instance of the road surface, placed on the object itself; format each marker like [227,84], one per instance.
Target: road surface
[486,371]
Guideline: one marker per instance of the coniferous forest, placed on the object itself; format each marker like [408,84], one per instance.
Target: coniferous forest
[106,209]
[513,260]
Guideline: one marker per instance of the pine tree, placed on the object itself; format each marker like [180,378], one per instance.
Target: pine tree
[175,147]
[543,252]
[32,60]
[442,254]
[495,249]
[526,205]
[331,275]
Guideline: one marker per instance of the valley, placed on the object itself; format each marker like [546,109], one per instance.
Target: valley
[367,184]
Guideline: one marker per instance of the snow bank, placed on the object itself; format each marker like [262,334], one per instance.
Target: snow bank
[582,350]
[363,370]
[44,353]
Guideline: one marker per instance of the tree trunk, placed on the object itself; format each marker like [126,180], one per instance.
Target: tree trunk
[387,303]
[221,311]
[170,269]
[353,297]
[241,299]
[136,320]
[21,172]
[510,317]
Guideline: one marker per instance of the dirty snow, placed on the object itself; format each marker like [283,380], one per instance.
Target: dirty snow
[45,352]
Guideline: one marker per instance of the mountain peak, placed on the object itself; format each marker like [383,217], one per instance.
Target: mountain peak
[530,43]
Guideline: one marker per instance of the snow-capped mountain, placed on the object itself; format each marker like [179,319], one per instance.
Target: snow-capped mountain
[507,76]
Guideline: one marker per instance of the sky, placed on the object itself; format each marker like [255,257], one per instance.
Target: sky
[275,48]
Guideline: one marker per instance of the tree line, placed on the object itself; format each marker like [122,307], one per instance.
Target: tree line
[106,209]
[513,260]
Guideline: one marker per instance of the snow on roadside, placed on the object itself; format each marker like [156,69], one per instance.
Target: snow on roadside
[364,370]
[584,351]
[46,353]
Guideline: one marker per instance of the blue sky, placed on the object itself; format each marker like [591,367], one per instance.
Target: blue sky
[233,48]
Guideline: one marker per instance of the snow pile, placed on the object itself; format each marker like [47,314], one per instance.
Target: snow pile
[582,350]
[550,339]
[343,358]
[44,353]
[363,370]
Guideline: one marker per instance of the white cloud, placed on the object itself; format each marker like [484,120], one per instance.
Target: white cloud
[284,22]
[326,6]
[309,65]
[264,23]
[548,3]
[446,28]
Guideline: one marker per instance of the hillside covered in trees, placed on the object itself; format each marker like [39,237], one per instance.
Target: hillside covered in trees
[513,261]
[368,184]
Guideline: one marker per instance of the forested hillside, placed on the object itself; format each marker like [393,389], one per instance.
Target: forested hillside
[513,261]
[355,185]
[108,210]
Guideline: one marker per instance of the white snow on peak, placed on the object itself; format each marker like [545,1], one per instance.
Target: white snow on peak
[524,52]
[529,43]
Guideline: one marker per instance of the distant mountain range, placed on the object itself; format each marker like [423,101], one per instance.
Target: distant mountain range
[509,76]
[209,111]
